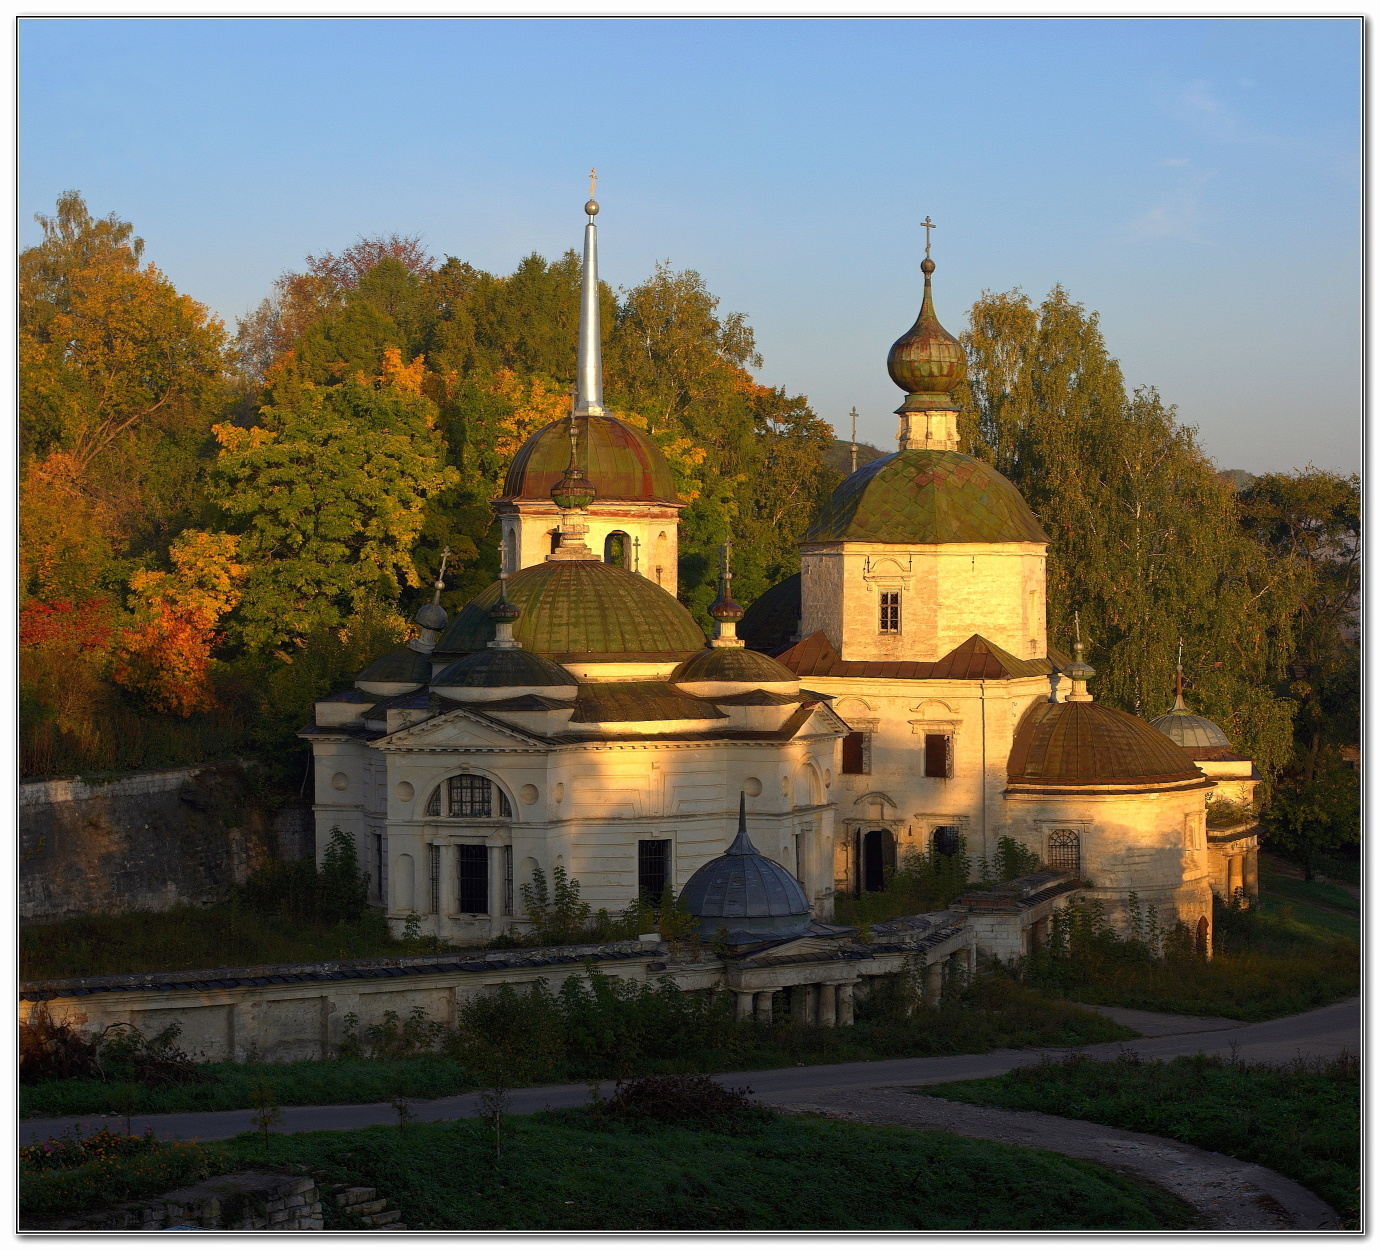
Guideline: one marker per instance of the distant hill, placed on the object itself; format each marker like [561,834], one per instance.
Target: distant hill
[839,456]
[1238,478]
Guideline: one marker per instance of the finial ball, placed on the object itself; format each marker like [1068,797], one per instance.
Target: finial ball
[927,266]
[591,208]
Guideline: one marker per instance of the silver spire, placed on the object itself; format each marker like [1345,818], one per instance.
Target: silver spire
[589,391]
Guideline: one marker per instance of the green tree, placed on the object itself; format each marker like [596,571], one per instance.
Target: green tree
[329,492]
[1145,542]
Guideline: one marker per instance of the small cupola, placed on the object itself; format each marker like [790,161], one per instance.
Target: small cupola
[431,618]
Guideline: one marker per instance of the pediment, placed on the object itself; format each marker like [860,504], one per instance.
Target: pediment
[459,727]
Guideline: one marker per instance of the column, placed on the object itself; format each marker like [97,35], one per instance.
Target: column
[762,1011]
[742,1007]
[800,1004]
[844,1004]
[450,882]
[1234,877]
[970,955]
[934,983]
[1252,874]
[828,1006]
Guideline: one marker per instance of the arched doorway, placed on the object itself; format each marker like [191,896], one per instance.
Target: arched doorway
[618,549]
[878,857]
[1201,942]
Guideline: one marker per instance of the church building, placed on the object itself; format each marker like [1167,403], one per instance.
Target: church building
[899,693]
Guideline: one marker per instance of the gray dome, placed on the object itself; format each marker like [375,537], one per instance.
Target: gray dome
[432,616]
[745,892]
[503,666]
[1193,733]
[404,667]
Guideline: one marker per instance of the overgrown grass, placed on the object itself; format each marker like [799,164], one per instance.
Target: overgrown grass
[567,1170]
[1268,962]
[603,1028]
[185,938]
[1302,1119]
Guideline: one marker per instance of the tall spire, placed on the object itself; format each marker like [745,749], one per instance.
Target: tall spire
[1179,704]
[742,844]
[725,612]
[853,468]
[589,394]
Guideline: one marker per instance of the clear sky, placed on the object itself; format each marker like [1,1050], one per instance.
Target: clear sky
[1197,183]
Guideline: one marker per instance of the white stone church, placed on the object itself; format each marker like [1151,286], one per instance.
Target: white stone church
[900,692]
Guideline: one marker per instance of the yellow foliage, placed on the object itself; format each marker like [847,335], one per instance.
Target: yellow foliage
[536,401]
[406,378]
[681,454]
[234,438]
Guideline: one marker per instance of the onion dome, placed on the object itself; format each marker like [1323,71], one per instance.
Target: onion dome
[621,461]
[1069,745]
[581,610]
[772,620]
[746,893]
[398,672]
[724,609]
[927,361]
[923,495]
[484,670]
[733,664]
[431,618]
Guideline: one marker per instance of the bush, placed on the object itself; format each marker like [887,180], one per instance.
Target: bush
[681,1099]
[70,1173]
[120,1052]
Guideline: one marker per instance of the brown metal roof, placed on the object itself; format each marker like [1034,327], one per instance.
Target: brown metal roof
[1091,744]
[972,660]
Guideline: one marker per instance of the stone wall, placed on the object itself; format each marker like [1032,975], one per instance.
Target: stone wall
[147,840]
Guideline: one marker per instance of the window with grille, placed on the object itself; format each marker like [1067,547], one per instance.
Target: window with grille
[889,621]
[474,879]
[507,880]
[947,839]
[376,848]
[855,753]
[1064,851]
[469,796]
[435,865]
[937,755]
[505,808]
[653,867]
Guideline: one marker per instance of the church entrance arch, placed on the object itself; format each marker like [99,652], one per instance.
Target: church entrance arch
[878,857]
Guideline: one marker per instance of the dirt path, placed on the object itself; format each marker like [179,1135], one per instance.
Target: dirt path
[1227,1193]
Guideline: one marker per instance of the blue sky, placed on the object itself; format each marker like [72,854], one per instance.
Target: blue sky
[1195,182]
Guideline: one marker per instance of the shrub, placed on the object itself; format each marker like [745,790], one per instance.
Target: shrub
[53,1052]
[681,1099]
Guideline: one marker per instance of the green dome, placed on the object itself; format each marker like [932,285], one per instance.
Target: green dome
[620,461]
[926,496]
[503,666]
[732,664]
[582,610]
[927,362]
[403,667]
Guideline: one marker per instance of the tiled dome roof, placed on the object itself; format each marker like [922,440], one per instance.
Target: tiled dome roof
[581,610]
[620,461]
[403,667]
[1091,744]
[927,496]
[732,664]
[503,666]
[1193,733]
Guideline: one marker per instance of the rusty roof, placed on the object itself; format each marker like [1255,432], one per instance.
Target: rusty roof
[973,660]
[1091,744]
[620,461]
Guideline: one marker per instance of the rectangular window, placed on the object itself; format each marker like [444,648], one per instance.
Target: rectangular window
[947,839]
[889,621]
[937,755]
[507,880]
[474,879]
[376,849]
[1064,850]
[435,857]
[505,809]
[471,796]
[653,867]
[855,753]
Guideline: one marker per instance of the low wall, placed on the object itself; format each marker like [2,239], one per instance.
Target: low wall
[147,841]
[289,1012]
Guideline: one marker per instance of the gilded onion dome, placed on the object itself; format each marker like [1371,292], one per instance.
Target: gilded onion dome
[927,362]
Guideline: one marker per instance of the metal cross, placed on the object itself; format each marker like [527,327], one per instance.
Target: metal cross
[854,415]
[593,178]
[928,225]
[445,555]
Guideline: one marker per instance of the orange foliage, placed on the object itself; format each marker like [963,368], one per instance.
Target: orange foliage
[535,401]
[406,378]
[65,528]
[167,655]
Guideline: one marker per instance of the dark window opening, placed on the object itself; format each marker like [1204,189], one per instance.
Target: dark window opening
[1064,850]
[505,808]
[878,858]
[377,839]
[936,755]
[947,839]
[433,804]
[471,796]
[855,753]
[435,856]
[617,549]
[653,867]
[555,541]
[889,620]
[507,880]
[474,879]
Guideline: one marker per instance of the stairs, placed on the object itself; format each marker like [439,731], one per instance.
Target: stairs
[365,1205]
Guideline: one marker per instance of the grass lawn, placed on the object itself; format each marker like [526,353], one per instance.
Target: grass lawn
[998,1013]
[564,1170]
[1301,1119]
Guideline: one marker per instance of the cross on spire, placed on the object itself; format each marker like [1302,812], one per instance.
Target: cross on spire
[928,225]
[593,178]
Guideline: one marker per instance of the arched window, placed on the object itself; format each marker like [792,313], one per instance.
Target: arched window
[468,795]
[618,549]
[1201,937]
[947,839]
[1064,851]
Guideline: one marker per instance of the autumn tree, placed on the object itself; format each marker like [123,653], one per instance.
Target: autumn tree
[1144,536]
